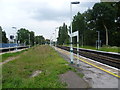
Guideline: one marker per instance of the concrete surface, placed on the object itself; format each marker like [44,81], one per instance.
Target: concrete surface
[95,77]
[73,80]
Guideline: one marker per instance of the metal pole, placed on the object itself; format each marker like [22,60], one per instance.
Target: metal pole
[50,42]
[98,39]
[16,42]
[55,39]
[78,49]
[29,40]
[16,36]
[82,40]
[71,47]
[9,43]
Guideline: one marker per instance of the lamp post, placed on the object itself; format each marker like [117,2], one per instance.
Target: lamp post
[71,47]
[98,39]
[16,35]
[55,36]
[51,40]
[29,40]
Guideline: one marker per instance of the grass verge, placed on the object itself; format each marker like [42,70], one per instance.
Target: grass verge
[16,74]
[7,55]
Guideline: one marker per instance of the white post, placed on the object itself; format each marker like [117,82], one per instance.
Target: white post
[71,47]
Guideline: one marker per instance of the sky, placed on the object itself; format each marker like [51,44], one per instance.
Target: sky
[40,16]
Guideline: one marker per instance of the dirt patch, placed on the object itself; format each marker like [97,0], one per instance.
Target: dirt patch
[36,73]
[73,80]
[9,59]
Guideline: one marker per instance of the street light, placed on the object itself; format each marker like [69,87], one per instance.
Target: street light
[16,35]
[29,40]
[71,47]
[51,40]
[55,36]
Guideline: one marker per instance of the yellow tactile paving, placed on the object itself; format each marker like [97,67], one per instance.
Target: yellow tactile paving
[83,60]
[98,67]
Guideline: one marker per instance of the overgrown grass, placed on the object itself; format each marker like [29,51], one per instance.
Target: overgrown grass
[107,49]
[104,48]
[110,49]
[16,74]
[7,55]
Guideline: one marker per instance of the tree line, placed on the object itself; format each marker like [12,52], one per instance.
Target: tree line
[103,17]
[24,37]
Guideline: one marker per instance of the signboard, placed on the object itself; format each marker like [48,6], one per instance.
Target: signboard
[75,34]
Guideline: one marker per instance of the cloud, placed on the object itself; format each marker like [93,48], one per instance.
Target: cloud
[51,14]
[40,16]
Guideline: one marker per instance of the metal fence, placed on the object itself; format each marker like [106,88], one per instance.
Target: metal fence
[4,45]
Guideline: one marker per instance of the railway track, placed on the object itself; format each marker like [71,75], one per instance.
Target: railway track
[103,57]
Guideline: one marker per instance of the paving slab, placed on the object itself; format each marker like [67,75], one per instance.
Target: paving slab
[73,80]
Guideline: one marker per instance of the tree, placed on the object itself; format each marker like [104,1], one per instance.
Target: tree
[116,34]
[63,37]
[32,37]
[23,36]
[3,37]
[47,41]
[79,25]
[39,40]
[104,17]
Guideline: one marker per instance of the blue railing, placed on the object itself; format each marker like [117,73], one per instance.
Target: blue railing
[4,45]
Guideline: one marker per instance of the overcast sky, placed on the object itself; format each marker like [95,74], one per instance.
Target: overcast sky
[40,16]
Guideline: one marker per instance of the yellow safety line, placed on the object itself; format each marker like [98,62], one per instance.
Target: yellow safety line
[98,67]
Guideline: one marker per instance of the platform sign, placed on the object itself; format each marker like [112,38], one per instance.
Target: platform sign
[75,34]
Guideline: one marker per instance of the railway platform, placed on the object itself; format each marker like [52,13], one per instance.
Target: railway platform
[97,74]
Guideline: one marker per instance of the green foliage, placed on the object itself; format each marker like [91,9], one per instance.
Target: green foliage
[3,38]
[47,41]
[39,40]
[32,38]
[23,36]
[103,17]
[63,37]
